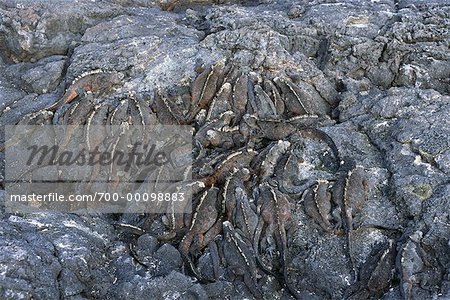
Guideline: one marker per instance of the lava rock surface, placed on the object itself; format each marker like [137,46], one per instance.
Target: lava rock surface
[379,71]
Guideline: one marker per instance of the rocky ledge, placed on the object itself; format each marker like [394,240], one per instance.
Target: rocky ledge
[323,127]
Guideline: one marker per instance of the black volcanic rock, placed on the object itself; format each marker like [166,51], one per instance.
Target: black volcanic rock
[377,71]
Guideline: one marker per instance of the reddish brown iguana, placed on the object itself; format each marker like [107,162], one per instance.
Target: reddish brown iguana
[96,81]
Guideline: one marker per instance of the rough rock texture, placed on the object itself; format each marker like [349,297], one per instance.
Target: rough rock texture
[378,71]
